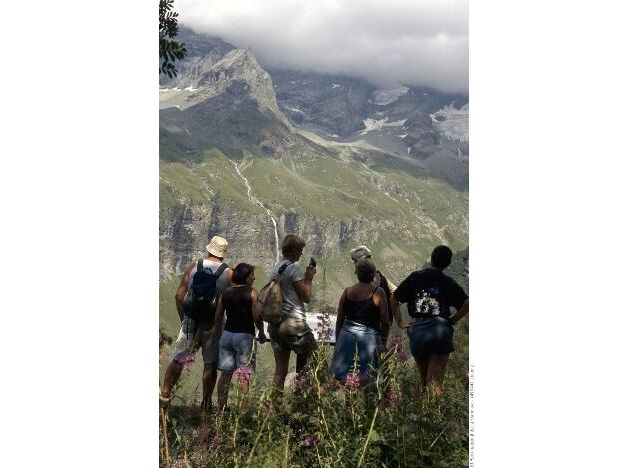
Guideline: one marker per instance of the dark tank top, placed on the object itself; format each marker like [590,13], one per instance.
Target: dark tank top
[237,304]
[363,312]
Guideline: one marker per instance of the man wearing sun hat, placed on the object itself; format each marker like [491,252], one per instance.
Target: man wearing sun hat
[197,333]
[361,251]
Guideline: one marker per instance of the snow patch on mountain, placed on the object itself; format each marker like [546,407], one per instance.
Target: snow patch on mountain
[372,124]
[383,97]
[293,109]
[453,123]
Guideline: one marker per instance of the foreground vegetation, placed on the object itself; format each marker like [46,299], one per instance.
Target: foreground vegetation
[318,422]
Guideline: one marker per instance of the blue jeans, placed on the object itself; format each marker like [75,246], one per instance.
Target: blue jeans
[355,340]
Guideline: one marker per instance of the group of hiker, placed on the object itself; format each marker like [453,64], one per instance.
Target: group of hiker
[222,314]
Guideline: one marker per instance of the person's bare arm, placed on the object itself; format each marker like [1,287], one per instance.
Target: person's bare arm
[303,287]
[218,318]
[255,313]
[340,315]
[182,291]
[381,300]
[394,303]
[462,312]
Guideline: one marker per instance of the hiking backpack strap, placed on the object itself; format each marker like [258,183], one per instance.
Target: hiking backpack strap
[280,272]
[223,266]
[282,268]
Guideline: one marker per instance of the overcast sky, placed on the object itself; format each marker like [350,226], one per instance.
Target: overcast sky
[389,42]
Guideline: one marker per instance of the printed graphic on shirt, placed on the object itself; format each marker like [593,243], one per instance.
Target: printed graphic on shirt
[426,304]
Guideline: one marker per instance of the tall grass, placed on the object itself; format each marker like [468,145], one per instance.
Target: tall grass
[321,423]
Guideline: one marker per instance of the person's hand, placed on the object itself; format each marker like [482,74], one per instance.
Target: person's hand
[404,325]
[261,337]
[310,273]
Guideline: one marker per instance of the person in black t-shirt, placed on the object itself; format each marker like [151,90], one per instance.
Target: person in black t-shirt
[430,294]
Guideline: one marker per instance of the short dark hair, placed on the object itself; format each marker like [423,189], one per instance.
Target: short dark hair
[441,257]
[241,272]
[365,270]
[292,244]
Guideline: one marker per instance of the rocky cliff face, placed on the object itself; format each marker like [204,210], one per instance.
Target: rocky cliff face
[185,230]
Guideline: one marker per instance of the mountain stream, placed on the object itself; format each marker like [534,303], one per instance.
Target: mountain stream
[258,202]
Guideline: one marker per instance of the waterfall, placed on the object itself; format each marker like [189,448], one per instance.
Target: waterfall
[258,202]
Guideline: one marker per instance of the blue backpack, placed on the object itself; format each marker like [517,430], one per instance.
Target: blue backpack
[200,303]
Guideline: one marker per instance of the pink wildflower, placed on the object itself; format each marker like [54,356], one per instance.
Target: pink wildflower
[400,349]
[353,381]
[356,379]
[216,442]
[243,375]
[310,441]
[179,464]
[187,360]
[325,326]
[394,398]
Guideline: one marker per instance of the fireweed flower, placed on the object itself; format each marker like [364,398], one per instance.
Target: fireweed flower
[356,380]
[325,326]
[243,375]
[394,398]
[187,360]
[400,350]
[216,442]
[310,441]
[179,464]
[353,381]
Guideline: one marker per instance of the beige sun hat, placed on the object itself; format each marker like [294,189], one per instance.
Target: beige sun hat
[217,246]
[361,251]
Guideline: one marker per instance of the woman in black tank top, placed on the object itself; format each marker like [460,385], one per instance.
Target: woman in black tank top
[364,312]
[362,325]
[236,349]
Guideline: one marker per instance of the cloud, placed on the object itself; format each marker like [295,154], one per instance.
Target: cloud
[388,42]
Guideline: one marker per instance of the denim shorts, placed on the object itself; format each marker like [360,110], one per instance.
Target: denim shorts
[356,345]
[236,350]
[433,335]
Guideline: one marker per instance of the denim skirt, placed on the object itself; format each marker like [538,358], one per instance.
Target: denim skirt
[354,340]
[433,335]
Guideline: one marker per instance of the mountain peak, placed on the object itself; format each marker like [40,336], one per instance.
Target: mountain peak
[209,76]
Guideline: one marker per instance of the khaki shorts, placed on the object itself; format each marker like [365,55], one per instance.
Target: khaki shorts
[192,337]
[292,334]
